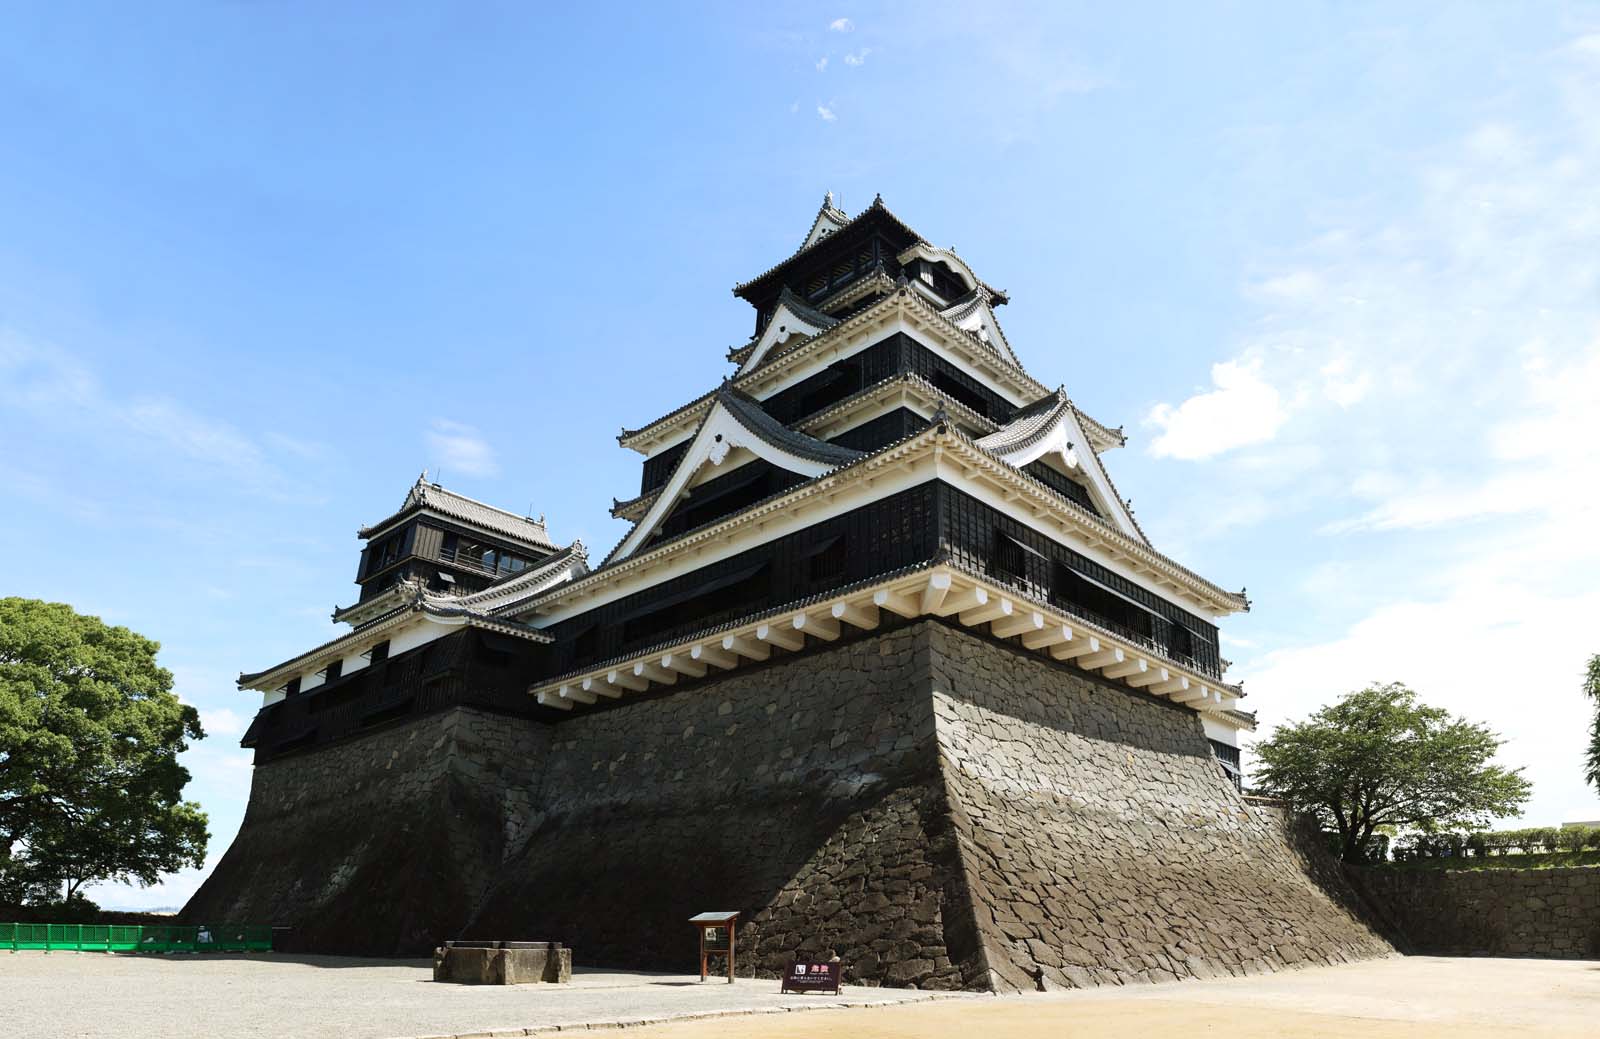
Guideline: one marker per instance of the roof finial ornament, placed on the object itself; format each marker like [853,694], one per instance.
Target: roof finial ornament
[941,417]
[877,200]
[827,201]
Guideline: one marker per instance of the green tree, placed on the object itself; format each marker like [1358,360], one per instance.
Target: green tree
[90,732]
[1591,689]
[1379,758]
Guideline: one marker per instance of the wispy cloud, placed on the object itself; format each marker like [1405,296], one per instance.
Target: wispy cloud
[459,448]
[56,387]
[857,58]
[822,63]
[841,25]
[826,114]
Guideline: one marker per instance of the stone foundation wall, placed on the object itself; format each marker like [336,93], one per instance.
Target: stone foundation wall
[1491,912]
[938,810]
[380,845]
[1101,842]
[804,794]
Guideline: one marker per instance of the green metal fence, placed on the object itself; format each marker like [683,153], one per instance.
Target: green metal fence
[137,938]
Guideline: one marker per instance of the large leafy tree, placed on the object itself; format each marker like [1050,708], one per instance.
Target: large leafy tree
[1379,758]
[1591,689]
[90,732]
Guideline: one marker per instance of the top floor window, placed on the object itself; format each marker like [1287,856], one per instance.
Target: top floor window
[490,559]
[385,553]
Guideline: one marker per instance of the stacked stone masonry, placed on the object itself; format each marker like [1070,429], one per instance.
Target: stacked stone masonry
[1491,912]
[940,810]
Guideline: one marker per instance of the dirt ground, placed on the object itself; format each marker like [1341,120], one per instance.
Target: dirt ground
[1398,998]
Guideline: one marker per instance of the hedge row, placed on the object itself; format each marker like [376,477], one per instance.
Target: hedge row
[1531,841]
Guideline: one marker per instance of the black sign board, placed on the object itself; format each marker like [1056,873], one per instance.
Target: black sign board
[716,938]
[812,977]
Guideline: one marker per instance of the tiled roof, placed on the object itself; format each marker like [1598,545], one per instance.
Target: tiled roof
[805,312]
[932,430]
[877,208]
[752,416]
[749,413]
[425,495]
[855,320]
[418,601]
[1028,424]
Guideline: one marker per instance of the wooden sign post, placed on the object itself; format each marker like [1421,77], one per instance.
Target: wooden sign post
[716,938]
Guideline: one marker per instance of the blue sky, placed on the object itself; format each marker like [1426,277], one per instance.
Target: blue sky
[1334,267]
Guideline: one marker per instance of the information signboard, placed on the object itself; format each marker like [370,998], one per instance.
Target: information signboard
[812,977]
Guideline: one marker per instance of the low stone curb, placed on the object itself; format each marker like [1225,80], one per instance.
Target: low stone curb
[699,1015]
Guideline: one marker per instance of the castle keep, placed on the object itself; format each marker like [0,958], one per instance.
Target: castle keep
[883,661]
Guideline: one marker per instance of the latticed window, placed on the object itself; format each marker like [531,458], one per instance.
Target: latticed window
[1008,558]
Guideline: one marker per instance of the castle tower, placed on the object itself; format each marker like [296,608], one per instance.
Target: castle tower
[883,661]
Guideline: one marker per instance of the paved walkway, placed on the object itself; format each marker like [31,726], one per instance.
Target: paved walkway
[64,995]
[95,996]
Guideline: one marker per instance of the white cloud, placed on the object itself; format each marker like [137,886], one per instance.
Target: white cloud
[1442,346]
[859,58]
[822,63]
[841,25]
[1343,384]
[1243,409]
[826,113]
[458,448]
[221,722]
[794,106]
[1291,285]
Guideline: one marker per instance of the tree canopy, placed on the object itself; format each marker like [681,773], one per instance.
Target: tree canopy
[1379,757]
[90,732]
[1591,689]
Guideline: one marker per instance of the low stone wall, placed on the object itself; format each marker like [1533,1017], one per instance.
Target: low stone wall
[1491,912]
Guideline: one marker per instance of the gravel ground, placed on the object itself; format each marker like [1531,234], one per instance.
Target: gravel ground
[67,995]
[64,995]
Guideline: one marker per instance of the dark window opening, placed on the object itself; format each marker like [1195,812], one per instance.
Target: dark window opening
[1062,484]
[726,495]
[385,553]
[1071,589]
[827,560]
[658,467]
[962,392]
[730,592]
[379,653]
[1008,558]
[586,643]
[488,559]
[333,670]
[834,385]
[292,687]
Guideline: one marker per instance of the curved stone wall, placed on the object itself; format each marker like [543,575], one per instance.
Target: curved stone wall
[1102,843]
[380,845]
